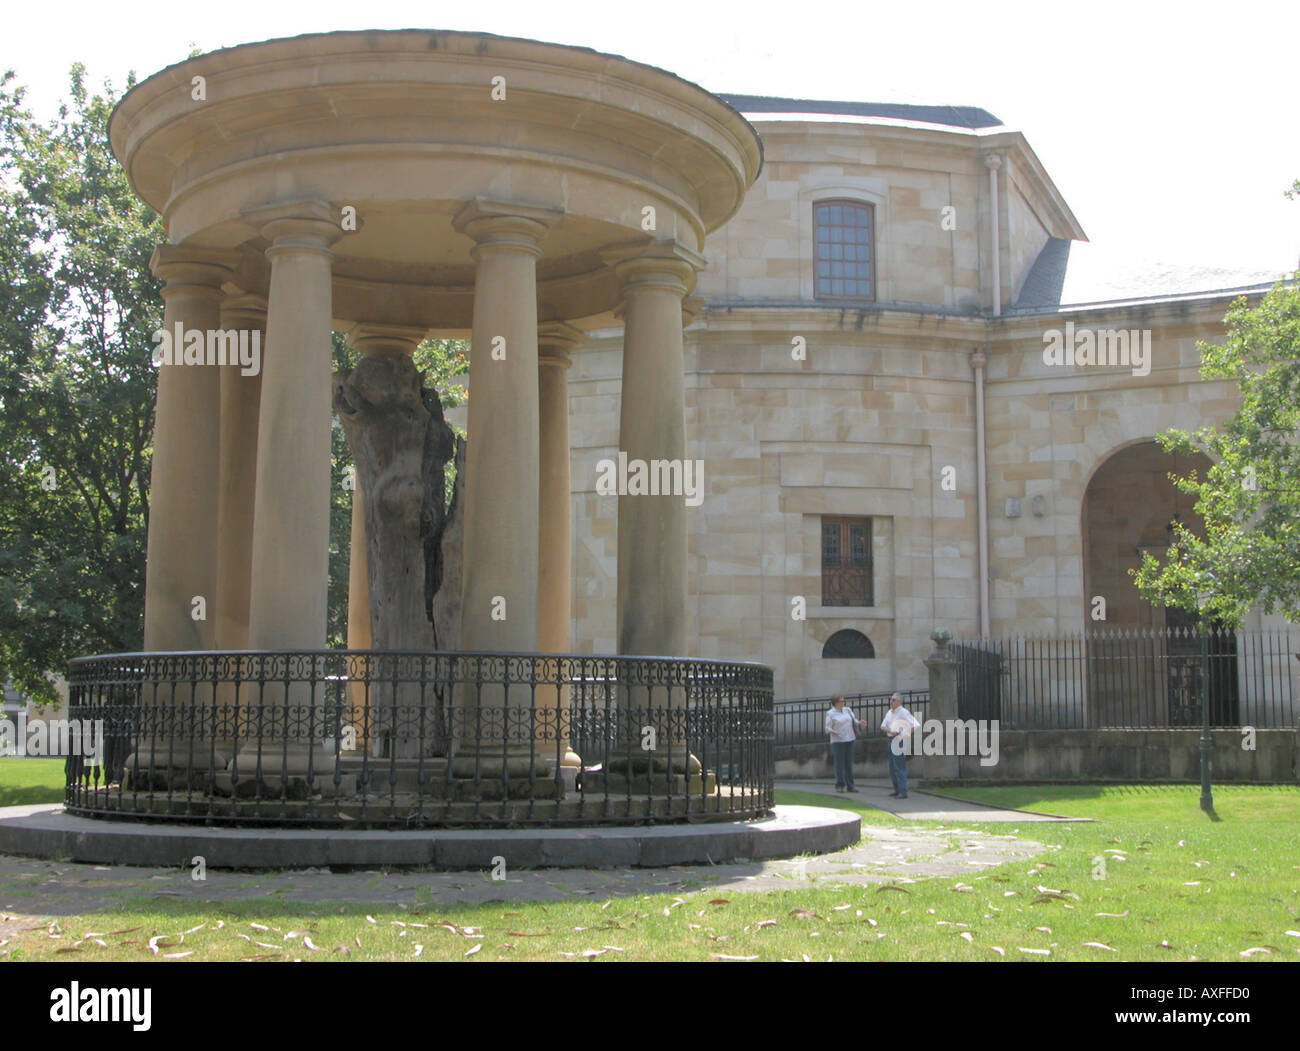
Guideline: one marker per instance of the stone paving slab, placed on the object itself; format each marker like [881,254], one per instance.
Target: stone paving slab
[33,889]
[921,805]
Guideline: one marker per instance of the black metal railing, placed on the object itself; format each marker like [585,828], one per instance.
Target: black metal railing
[389,739]
[804,721]
[1132,678]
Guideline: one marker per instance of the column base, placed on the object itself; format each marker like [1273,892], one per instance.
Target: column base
[681,762]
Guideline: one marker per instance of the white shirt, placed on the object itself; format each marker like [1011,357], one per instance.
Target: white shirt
[842,721]
[899,721]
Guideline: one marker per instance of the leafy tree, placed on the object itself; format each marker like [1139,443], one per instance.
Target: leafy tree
[76,387]
[1250,497]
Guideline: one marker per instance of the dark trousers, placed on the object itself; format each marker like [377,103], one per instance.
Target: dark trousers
[898,771]
[842,753]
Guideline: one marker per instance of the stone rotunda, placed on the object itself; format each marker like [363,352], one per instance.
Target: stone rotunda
[394,186]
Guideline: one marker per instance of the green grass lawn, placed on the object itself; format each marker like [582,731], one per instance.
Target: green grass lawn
[1173,885]
[29,781]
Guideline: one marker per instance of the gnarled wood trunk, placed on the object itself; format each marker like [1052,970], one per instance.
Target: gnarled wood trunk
[401,444]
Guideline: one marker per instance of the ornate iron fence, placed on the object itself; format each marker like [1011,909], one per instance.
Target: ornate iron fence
[1132,678]
[389,739]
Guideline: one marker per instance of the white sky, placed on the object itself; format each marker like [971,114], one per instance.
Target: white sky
[1170,128]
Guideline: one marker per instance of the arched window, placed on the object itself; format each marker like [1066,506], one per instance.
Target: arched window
[848,644]
[844,242]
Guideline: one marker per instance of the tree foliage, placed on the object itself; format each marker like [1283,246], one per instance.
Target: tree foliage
[76,387]
[1250,497]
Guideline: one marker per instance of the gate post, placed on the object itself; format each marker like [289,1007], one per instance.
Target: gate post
[942,666]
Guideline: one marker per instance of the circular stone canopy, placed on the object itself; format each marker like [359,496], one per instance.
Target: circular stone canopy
[408,127]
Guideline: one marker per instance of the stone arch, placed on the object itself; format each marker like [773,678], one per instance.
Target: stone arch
[1128,505]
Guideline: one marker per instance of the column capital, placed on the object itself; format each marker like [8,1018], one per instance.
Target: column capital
[307,225]
[244,310]
[555,341]
[978,358]
[504,225]
[183,264]
[669,265]
[375,337]
[692,307]
[993,160]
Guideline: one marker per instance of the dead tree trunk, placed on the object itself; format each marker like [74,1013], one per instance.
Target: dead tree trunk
[400,443]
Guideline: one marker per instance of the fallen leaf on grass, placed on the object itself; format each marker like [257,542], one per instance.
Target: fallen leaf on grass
[522,934]
[766,923]
[419,949]
[1113,915]
[998,949]
[256,926]
[841,907]
[890,886]
[1098,945]
[1252,952]
[310,944]
[177,955]
[804,914]
[724,956]
[126,930]
[720,901]
[1035,952]
[968,936]
[475,949]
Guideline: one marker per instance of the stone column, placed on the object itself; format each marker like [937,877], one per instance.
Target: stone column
[554,576]
[172,752]
[241,389]
[290,549]
[652,426]
[183,512]
[499,591]
[287,608]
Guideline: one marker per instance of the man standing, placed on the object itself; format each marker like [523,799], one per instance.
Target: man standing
[898,724]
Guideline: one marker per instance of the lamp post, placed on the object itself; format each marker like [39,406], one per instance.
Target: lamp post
[1202,629]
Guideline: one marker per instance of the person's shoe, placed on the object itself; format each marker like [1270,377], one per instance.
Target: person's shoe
[852,789]
[838,788]
[903,796]
[893,795]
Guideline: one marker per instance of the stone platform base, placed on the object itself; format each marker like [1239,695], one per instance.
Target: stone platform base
[47,831]
[398,809]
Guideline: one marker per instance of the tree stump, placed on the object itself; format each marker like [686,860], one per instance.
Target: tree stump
[400,443]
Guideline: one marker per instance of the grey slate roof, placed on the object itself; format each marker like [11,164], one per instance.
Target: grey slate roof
[1046,279]
[952,116]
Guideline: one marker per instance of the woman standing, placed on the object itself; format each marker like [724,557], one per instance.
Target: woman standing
[840,724]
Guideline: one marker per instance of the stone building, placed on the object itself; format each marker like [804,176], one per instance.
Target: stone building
[877,310]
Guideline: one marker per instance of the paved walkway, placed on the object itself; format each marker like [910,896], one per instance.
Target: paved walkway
[919,805]
[31,889]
